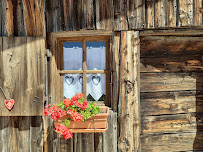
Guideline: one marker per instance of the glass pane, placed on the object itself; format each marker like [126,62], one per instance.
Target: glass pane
[72,56]
[96,87]
[72,84]
[96,55]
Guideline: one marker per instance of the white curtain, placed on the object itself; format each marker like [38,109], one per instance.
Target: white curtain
[96,60]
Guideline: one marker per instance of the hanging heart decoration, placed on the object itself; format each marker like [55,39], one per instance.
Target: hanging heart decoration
[69,79]
[9,103]
[96,79]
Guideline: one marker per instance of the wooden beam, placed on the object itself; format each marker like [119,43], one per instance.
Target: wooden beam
[184,32]
[129,99]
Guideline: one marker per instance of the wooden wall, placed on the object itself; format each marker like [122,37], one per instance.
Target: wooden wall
[171,93]
[171,70]
[37,17]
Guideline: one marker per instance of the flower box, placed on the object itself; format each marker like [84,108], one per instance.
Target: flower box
[93,124]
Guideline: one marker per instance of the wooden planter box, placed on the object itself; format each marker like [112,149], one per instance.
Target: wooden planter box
[93,124]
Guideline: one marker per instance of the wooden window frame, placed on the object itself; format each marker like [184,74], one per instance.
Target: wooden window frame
[84,37]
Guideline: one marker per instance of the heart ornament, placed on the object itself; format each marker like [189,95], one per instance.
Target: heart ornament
[9,103]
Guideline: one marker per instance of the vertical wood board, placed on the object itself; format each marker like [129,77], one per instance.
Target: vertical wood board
[23,75]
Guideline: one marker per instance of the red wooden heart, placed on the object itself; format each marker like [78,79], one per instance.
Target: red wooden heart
[9,103]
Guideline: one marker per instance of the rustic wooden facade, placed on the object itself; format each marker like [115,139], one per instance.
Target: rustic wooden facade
[157,71]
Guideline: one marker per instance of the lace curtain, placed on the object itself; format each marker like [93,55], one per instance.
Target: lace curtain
[96,60]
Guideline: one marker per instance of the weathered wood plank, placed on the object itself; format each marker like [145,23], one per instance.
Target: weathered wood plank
[88,142]
[116,62]
[161,16]
[109,142]
[152,82]
[176,54]
[23,75]
[128,111]
[172,13]
[172,123]
[18,18]
[198,14]
[124,21]
[36,134]
[24,133]
[34,19]
[172,142]
[140,14]
[185,13]
[160,103]
[150,11]
[16,134]
[117,15]
[131,15]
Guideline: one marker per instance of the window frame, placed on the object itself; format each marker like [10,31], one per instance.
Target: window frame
[84,71]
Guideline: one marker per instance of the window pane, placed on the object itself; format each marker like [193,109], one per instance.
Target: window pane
[72,84]
[72,56]
[96,55]
[96,87]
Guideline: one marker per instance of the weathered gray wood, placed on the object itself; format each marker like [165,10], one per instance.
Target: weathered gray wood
[24,133]
[109,142]
[160,103]
[172,142]
[152,82]
[185,13]
[20,134]
[198,14]
[128,111]
[23,75]
[172,123]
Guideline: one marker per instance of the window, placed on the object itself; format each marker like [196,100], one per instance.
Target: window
[85,67]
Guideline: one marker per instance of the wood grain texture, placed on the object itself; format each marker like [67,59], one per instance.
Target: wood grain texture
[197,12]
[128,111]
[153,82]
[172,142]
[162,103]
[27,17]
[23,75]
[172,123]
[21,134]
[115,76]
[176,54]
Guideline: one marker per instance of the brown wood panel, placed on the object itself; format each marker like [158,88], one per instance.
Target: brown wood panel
[161,13]
[23,75]
[197,11]
[189,122]
[140,14]
[153,82]
[172,13]
[128,106]
[175,54]
[150,12]
[21,134]
[160,103]
[34,18]
[185,13]
[172,142]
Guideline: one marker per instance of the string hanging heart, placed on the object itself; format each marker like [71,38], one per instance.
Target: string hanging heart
[9,103]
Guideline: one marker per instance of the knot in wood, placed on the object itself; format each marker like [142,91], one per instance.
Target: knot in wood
[130,85]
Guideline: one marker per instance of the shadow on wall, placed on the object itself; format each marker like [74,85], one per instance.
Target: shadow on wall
[177,66]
